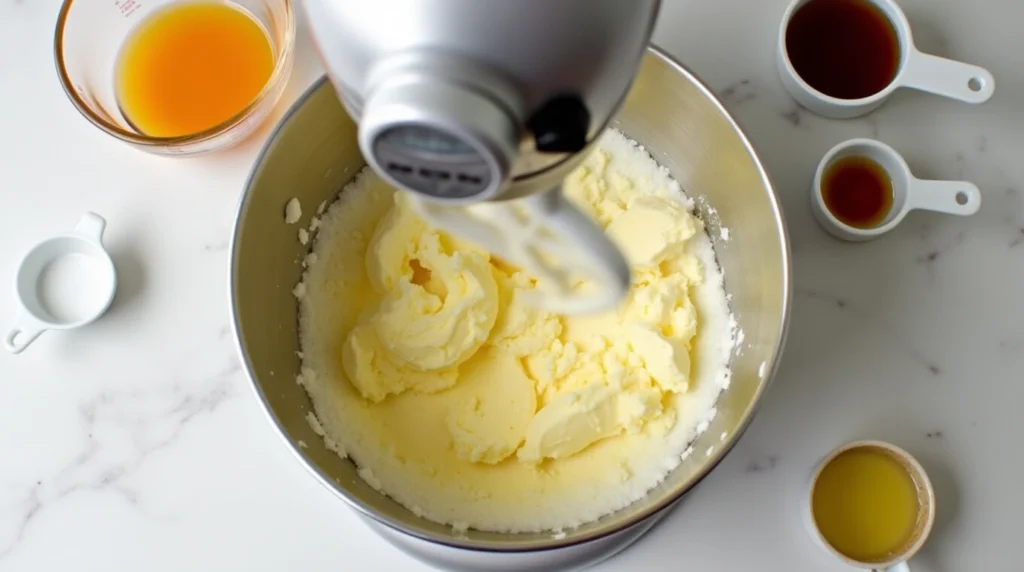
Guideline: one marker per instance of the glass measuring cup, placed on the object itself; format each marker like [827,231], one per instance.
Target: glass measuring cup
[87,41]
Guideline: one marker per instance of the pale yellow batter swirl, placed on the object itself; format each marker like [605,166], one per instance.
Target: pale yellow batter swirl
[472,407]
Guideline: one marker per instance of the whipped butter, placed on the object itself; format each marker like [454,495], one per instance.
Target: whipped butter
[455,397]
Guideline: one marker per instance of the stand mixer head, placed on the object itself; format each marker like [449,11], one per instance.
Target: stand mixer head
[468,104]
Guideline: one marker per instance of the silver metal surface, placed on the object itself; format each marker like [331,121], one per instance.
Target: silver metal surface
[477,72]
[314,152]
[565,559]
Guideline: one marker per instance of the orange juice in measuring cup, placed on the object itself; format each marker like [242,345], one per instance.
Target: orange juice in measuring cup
[175,76]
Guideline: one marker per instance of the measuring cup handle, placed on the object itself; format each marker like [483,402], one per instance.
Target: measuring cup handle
[898,567]
[949,78]
[91,226]
[24,332]
[951,197]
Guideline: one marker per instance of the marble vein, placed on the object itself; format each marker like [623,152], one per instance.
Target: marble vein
[794,115]
[150,419]
[738,93]
[216,246]
[845,305]
[761,464]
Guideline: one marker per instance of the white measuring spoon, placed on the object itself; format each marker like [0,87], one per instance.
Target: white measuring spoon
[64,282]
[916,70]
[909,193]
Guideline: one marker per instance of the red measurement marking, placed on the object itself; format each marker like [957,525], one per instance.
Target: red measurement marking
[127,7]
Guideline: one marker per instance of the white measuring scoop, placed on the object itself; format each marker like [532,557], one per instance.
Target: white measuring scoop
[915,69]
[579,270]
[961,198]
[64,282]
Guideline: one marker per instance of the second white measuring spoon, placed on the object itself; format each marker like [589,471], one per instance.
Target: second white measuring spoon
[909,193]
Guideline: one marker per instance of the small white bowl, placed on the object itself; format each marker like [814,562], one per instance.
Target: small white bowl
[64,282]
[926,500]
[909,193]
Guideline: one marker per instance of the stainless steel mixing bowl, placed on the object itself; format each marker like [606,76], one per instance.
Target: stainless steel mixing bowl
[313,154]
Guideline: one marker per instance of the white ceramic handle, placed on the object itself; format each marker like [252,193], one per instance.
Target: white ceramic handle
[948,78]
[91,226]
[25,331]
[898,567]
[548,237]
[951,197]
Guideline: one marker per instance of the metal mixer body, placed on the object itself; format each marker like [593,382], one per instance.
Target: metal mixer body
[462,101]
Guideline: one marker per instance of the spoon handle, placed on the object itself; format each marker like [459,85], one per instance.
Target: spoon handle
[898,567]
[952,197]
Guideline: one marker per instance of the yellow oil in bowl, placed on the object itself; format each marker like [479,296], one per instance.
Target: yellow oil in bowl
[865,503]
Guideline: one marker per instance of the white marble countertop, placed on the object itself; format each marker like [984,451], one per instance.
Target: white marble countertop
[137,444]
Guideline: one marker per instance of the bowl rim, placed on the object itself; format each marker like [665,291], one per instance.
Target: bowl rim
[280,73]
[669,498]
